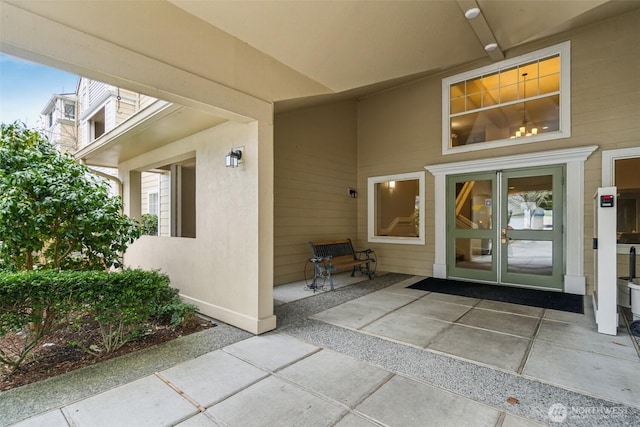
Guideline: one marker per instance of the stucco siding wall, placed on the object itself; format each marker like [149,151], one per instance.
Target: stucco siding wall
[400,130]
[315,165]
[219,269]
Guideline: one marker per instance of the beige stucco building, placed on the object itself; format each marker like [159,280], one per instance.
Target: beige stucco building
[323,99]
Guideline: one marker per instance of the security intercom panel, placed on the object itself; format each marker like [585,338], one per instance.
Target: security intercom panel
[607,200]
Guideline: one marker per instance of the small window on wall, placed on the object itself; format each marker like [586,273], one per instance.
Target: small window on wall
[69,111]
[97,124]
[520,100]
[396,208]
[153,203]
[627,181]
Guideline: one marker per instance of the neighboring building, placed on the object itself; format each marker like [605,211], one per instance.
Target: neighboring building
[467,163]
[58,121]
[75,120]
[103,107]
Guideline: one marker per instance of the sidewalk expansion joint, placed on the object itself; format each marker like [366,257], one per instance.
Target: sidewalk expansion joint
[525,358]
[180,392]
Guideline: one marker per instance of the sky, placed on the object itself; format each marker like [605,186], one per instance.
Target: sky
[26,87]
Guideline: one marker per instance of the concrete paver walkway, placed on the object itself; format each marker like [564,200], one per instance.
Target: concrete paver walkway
[286,383]
[556,347]
[378,354]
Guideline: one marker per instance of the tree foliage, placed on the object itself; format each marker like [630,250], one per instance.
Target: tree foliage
[55,213]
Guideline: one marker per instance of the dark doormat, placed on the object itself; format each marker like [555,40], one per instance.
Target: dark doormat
[522,296]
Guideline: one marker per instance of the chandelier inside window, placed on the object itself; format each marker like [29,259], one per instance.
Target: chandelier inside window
[527,129]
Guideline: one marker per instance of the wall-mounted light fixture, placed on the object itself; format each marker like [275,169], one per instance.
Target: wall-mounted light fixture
[392,185]
[232,158]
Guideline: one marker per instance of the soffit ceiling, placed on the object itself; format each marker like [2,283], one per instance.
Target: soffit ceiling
[346,45]
[152,128]
[285,50]
[299,53]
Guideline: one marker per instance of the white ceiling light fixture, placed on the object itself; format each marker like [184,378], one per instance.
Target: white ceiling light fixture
[490,47]
[472,13]
[478,22]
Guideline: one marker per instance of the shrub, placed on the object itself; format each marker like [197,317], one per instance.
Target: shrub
[171,310]
[123,304]
[149,224]
[33,304]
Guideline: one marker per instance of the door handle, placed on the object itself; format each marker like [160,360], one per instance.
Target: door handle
[503,236]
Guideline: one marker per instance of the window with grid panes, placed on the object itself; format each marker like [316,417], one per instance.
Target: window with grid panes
[524,99]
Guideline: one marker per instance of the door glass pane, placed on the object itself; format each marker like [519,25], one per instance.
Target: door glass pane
[473,205]
[530,203]
[474,254]
[530,257]
[627,179]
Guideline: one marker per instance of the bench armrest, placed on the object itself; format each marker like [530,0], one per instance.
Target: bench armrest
[324,263]
[366,253]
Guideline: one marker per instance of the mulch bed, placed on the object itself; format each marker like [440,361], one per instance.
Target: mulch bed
[62,351]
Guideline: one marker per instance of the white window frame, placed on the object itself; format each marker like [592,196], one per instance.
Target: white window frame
[371,208]
[562,49]
[71,116]
[157,194]
[609,158]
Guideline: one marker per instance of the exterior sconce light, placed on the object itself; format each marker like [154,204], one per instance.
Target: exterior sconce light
[392,185]
[232,158]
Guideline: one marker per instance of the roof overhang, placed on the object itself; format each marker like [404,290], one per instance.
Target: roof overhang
[159,124]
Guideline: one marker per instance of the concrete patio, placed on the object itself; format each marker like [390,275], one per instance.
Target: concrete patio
[372,353]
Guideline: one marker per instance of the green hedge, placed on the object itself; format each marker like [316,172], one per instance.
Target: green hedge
[35,303]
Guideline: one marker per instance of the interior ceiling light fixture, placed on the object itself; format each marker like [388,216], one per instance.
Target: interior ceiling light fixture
[472,13]
[525,129]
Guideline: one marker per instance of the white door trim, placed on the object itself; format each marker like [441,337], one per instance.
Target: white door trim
[573,158]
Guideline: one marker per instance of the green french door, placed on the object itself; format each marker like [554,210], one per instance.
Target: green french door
[506,227]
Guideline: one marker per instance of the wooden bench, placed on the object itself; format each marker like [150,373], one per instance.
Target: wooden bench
[331,256]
